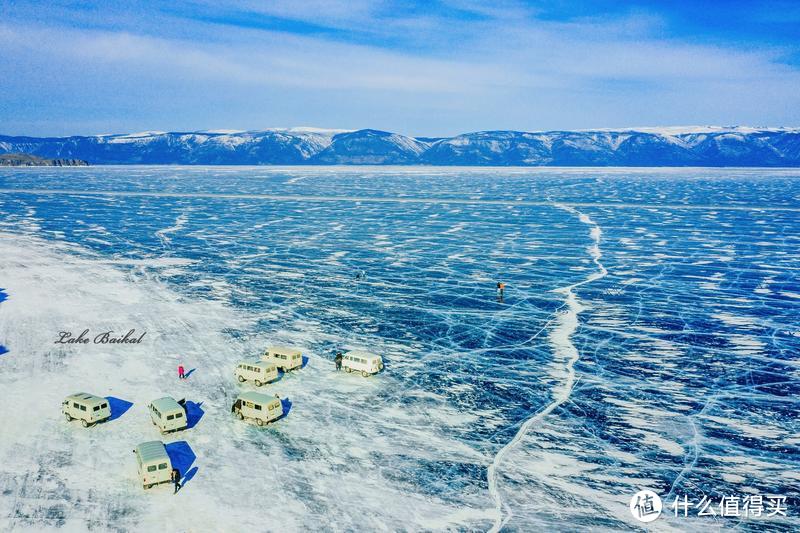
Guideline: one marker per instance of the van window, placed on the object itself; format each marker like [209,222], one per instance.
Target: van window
[103,405]
[249,404]
[271,407]
[151,468]
[258,407]
[178,415]
[83,407]
[162,466]
[257,370]
[170,417]
[96,408]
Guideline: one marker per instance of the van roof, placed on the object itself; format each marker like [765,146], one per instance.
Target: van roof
[167,404]
[153,450]
[284,349]
[260,364]
[252,396]
[85,397]
[361,353]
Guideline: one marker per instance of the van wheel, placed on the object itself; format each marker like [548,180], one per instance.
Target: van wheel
[84,423]
[380,366]
[364,373]
[348,369]
[69,418]
[241,379]
[258,383]
[146,487]
[259,422]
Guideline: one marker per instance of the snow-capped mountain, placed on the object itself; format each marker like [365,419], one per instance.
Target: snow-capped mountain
[669,146]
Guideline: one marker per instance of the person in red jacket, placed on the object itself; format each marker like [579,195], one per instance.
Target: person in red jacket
[181,375]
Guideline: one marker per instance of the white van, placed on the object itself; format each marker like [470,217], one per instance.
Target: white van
[363,362]
[153,463]
[283,357]
[256,406]
[87,408]
[259,372]
[168,415]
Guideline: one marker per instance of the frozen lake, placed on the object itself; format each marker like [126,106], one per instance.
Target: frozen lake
[648,338]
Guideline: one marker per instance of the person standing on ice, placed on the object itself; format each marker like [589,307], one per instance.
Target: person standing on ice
[338,360]
[501,288]
[181,375]
[175,477]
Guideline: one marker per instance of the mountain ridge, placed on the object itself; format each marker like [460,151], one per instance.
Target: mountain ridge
[712,146]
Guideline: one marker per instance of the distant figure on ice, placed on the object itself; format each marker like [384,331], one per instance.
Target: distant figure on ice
[501,289]
[175,477]
[361,275]
[181,375]
[338,360]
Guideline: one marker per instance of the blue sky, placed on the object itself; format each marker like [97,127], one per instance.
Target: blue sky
[419,68]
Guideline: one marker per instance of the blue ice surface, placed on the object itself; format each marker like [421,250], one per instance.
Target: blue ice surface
[697,317]
[118,407]
[3,297]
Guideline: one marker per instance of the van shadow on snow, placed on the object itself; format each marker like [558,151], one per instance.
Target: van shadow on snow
[118,407]
[3,349]
[182,457]
[286,404]
[194,412]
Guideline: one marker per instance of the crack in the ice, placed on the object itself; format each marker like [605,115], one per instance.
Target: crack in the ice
[568,323]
